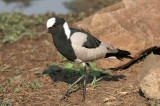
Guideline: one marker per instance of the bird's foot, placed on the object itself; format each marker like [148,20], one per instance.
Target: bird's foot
[65,95]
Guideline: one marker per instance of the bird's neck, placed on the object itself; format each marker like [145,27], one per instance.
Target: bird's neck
[60,37]
[62,30]
[67,30]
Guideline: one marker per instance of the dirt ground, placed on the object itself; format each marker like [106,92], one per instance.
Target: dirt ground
[23,85]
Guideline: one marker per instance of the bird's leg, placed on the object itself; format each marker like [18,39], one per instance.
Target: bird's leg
[86,78]
[90,68]
[74,83]
[67,90]
[85,83]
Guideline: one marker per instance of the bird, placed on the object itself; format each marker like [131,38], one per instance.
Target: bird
[79,46]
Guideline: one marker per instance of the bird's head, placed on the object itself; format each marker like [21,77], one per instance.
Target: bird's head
[53,24]
[56,24]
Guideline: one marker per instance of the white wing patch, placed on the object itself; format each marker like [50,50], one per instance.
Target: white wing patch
[67,30]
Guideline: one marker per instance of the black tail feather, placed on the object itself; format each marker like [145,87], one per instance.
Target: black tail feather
[119,55]
[123,52]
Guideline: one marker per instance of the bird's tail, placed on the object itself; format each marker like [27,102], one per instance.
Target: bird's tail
[123,54]
[120,54]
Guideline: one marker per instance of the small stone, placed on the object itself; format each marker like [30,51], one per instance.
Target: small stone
[123,93]
[109,99]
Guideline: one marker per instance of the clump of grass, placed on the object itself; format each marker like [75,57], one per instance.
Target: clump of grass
[81,15]
[93,5]
[16,90]
[52,71]
[4,68]
[5,102]
[12,54]
[16,25]
[10,79]
[33,49]
[154,102]
[35,85]
[38,71]
[69,66]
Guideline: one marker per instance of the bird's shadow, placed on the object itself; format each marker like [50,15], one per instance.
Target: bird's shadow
[69,76]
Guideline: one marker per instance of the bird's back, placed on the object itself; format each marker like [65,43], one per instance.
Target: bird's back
[86,47]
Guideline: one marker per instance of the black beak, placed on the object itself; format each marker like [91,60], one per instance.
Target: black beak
[45,32]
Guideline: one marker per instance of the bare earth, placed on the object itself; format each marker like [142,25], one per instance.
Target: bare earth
[24,56]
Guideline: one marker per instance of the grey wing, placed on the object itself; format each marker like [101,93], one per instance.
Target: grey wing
[91,42]
[86,38]
[85,54]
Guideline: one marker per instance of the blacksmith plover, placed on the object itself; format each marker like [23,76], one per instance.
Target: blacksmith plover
[80,46]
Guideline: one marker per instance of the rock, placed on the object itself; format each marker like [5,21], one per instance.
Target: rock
[131,25]
[149,77]
[109,99]
[123,93]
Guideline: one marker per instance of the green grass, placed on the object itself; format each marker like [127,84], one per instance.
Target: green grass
[5,102]
[91,5]
[38,71]
[33,49]
[16,90]
[4,68]
[71,67]
[154,102]
[10,79]
[35,85]
[12,54]
[17,25]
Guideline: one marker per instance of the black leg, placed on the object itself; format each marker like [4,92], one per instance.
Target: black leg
[85,76]
[67,90]
[86,79]
[85,83]
[90,68]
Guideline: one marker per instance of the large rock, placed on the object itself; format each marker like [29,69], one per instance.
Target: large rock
[149,77]
[131,25]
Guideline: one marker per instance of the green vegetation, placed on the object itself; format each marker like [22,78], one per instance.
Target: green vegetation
[38,71]
[16,90]
[35,85]
[16,25]
[90,5]
[33,49]
[5,102]
[76,68]
[71,67]
[154,102]
[5,68]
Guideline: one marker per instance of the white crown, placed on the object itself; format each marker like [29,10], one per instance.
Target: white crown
[51,22]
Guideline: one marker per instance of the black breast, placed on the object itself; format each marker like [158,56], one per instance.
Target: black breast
[63,45]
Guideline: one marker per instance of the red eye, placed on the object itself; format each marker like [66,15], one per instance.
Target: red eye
[54,25]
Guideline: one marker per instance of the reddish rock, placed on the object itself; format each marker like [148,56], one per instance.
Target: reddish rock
[131,25]
[149,77]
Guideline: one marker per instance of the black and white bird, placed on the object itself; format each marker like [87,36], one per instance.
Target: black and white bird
[80,46]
